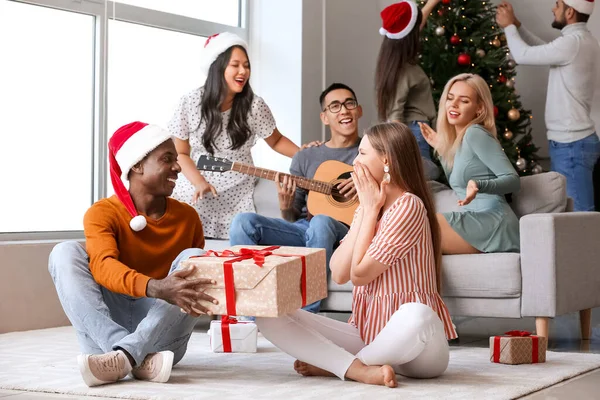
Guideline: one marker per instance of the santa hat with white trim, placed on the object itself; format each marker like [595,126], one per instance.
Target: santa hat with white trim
[583,6]
[216,45]
[128,146]
[399,19]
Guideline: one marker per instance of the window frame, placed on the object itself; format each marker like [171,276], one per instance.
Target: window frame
[103,11]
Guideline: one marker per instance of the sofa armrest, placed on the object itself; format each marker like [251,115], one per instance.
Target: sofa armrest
[560,263]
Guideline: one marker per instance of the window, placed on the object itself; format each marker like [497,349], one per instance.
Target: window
[149,70]
[226,12]
[47,103]
[72,72]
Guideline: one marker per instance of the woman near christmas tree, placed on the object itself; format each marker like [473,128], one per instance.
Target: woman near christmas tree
[392,255]
[223,118]
[402,88]
[477,170]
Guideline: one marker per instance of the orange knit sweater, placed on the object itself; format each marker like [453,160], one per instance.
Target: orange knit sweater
[122,260]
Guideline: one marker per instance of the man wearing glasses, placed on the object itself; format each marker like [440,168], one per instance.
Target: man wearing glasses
[340,111]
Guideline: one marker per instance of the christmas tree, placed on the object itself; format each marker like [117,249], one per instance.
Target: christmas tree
[462,36]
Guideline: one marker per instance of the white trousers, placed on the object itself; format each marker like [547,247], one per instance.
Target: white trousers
[413,341]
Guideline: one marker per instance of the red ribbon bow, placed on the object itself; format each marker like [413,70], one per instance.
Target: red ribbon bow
[518,333]
[258,257]
[226,320]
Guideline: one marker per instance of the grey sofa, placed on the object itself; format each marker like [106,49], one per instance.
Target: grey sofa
[556,272]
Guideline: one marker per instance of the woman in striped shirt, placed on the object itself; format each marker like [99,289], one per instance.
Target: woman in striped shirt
[392,255]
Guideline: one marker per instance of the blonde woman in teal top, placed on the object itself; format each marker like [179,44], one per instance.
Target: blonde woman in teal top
[477,170]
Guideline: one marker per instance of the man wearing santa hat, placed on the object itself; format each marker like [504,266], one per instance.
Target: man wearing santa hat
[123,292]
[574,60]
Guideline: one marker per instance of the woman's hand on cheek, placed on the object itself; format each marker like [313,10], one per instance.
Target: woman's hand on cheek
[371,195]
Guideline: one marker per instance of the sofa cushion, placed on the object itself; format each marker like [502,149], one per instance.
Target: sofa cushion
[444,197]
[542,193]
[481,275]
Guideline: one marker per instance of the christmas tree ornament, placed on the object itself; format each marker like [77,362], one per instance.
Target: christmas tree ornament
[514,114]
[496,111]
[441,12]
[440,31]
[503,37]
[521,163]
[464,59]
[455,40]
[446,2]
[512,63]
[496,42]
[510,83]
[502,79]
[480,53]
[508,135]
[537,169]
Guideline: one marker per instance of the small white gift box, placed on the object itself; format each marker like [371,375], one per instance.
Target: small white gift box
[232,336]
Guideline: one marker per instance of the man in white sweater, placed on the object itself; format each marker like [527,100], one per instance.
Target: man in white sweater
[574,60]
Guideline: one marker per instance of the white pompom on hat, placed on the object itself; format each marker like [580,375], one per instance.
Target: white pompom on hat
[399,19]
[583,6]
[128,146]
[217,44]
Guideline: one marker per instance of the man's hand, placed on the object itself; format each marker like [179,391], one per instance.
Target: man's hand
[505,15]
[286,190]
[184,293]
[347,188]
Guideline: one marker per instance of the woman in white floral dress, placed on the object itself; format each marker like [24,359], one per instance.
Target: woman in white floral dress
[223,118]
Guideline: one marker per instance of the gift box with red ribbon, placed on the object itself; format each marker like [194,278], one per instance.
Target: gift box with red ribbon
[518,347]
[262,281]
[232,336]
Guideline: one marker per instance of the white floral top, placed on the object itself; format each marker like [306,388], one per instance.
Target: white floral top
[235,190]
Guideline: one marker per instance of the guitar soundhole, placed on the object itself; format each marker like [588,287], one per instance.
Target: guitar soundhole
[338,197]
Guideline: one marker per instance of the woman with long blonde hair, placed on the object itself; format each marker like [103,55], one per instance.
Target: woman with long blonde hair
[392,255]
[477,170]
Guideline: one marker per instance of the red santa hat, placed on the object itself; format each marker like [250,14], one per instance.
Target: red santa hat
[399,19]
[583,6]
[217,44]
[128,146]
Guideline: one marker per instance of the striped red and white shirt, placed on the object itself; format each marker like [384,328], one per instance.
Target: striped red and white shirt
[403,242]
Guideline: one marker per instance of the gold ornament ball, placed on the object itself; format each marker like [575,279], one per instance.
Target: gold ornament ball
[510,84]
[514,114]
[512,64]
[496,42]
[521,164]
[508,135]
[480,53]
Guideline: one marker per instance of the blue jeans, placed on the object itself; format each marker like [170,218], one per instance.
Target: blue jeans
[423,145]
[321,232]
[576,162]
[106,321]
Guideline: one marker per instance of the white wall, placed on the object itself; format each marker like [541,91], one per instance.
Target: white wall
[352,42]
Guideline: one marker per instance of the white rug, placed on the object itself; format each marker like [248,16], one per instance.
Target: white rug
[45,361]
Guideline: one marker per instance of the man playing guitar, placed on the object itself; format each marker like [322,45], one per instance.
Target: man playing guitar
[341,112]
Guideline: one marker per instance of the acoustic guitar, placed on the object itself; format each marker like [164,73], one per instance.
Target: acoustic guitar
[323,195]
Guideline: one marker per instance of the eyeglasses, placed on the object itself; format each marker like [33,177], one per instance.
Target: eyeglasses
[336,106]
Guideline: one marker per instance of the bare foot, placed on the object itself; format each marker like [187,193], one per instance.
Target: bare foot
[373,375]
[310,370]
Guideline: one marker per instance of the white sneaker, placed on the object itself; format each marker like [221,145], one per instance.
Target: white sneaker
[156,367]
[100,369]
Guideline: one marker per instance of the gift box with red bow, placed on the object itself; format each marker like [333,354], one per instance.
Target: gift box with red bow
[232,336]
[262,281]
[518,347]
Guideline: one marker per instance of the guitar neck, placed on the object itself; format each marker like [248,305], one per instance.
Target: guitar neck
[304,183]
